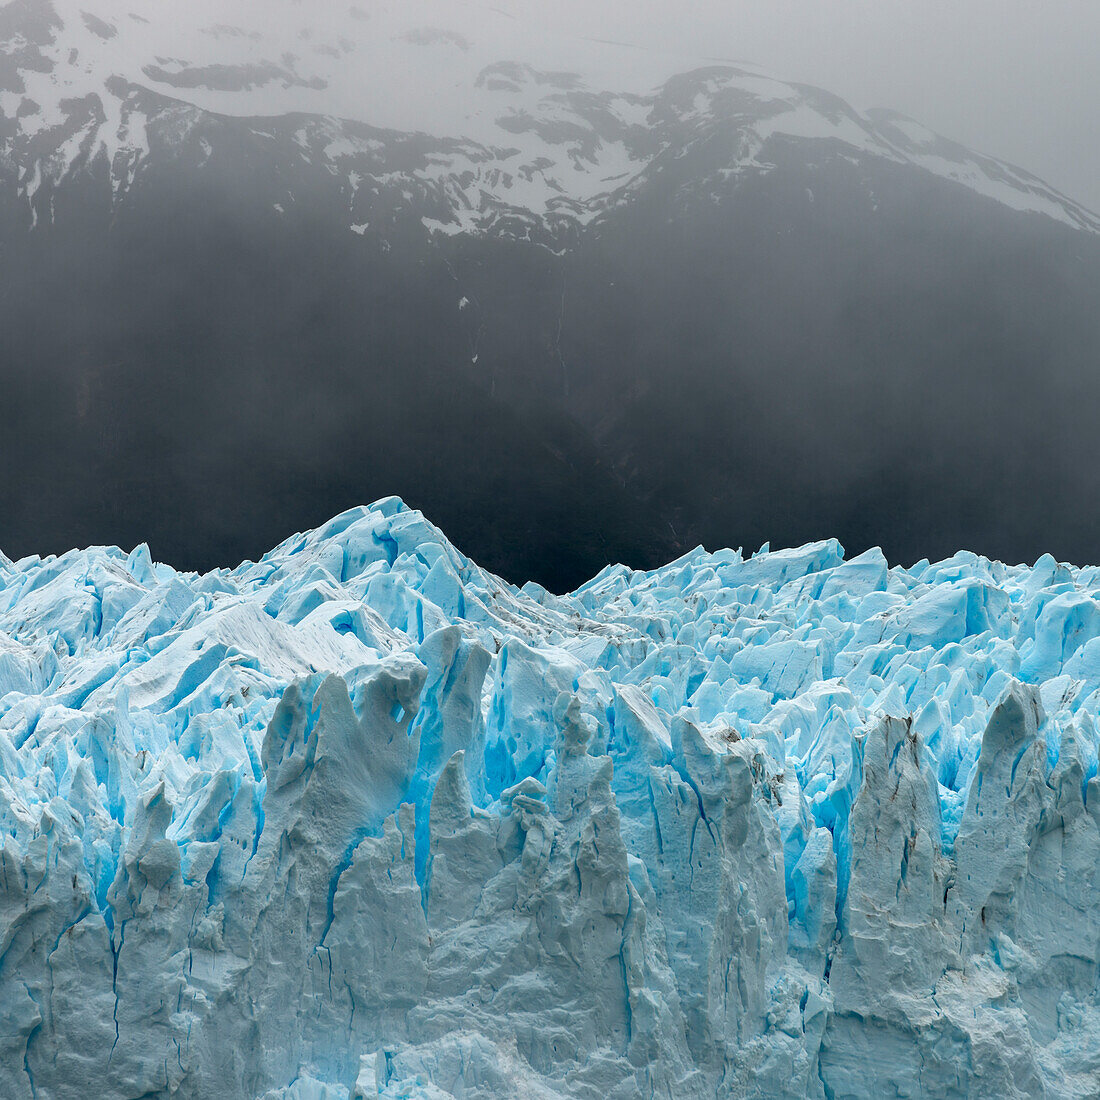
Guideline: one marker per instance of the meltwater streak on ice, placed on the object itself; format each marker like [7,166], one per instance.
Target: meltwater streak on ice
[361,819]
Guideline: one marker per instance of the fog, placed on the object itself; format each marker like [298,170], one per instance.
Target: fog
[1012,78]
[247,341]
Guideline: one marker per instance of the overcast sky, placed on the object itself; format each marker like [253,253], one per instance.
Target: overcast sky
[1018,79]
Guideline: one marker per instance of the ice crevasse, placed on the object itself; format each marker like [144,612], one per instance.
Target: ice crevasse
[362,820]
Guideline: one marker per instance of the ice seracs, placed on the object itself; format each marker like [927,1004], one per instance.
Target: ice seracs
[360,819]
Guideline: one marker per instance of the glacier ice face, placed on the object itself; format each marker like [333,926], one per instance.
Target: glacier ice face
[362,820]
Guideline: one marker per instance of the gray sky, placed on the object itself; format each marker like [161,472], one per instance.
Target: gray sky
[1018,79]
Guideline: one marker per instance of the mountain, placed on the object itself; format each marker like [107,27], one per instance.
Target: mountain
[267,261]
[488,145]
[360,819]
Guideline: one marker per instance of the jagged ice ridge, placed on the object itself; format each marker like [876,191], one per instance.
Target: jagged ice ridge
[361,819]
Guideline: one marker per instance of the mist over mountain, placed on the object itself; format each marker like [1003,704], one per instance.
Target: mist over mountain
[245,288]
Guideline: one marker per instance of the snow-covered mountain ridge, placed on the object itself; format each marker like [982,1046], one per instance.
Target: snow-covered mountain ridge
[404,106]
[360,819]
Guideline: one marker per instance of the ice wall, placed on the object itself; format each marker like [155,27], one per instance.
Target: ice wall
[362,820]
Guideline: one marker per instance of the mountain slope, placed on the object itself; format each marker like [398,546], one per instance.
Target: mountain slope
[574,324]
[513,142]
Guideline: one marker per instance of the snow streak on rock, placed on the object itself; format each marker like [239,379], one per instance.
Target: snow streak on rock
[473,139]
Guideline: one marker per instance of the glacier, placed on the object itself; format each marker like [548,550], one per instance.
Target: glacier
[362,820]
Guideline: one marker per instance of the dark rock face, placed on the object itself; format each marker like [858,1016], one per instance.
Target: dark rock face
[205,355]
